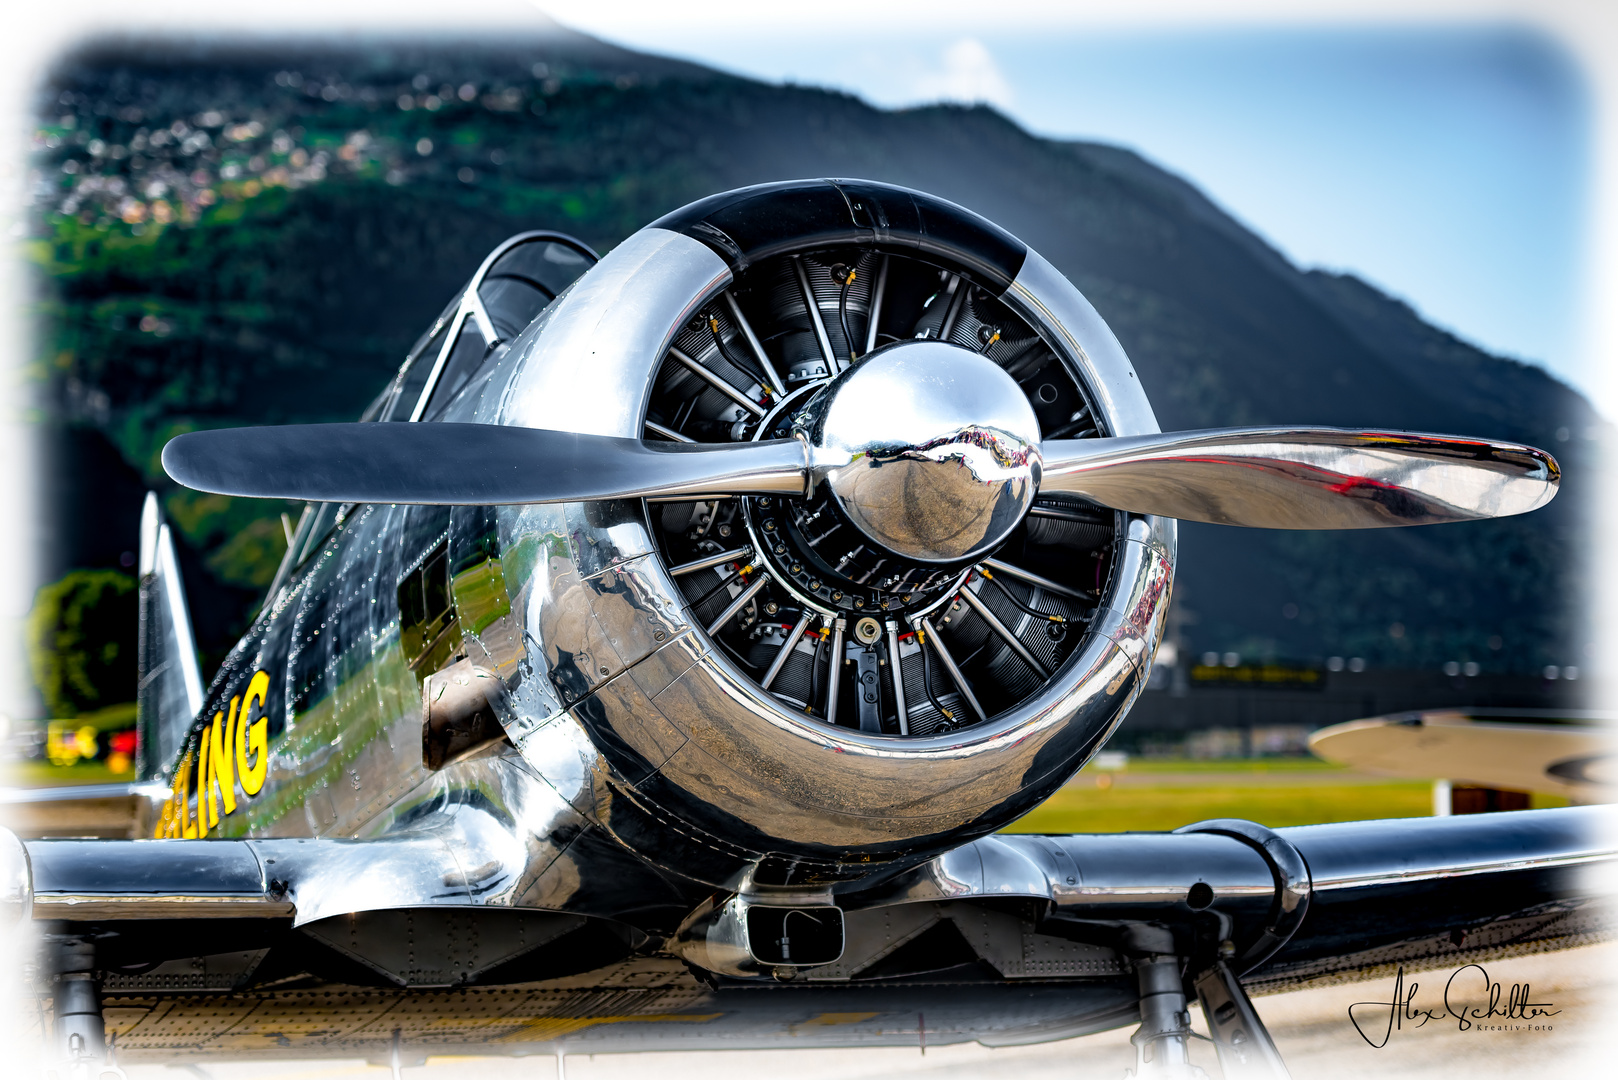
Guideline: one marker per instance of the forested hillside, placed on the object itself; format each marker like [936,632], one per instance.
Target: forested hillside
[253,236]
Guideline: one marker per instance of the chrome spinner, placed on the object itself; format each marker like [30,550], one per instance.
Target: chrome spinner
[932,451]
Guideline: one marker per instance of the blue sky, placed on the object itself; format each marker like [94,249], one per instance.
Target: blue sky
[1447,165]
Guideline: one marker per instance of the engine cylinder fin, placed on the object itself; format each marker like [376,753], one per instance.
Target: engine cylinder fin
[1052,531]
[1071,510]
[1026,357]
[920,697]
[1001,667]
[702,404]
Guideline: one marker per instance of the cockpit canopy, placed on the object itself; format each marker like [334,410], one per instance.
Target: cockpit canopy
[515,283]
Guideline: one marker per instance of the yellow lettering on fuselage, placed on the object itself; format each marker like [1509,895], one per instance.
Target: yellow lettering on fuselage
[253,737]
[176,822]
[232,750]
[219,776]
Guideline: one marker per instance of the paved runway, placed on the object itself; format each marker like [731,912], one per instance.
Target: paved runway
[1311,1027]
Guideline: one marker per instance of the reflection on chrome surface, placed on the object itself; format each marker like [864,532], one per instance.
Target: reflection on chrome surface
[931,450]
[1278,478]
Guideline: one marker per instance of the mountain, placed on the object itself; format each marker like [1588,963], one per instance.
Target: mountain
[229,234]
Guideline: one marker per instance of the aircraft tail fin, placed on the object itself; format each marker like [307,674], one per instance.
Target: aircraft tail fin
[170,694]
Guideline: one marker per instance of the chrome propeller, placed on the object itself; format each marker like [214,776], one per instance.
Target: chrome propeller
[468,464]
[930,449]
[1305,477]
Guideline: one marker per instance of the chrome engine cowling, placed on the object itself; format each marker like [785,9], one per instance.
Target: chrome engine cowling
[713,681]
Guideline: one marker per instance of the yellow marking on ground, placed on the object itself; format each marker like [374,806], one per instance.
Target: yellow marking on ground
[546,1028]
[834,1019]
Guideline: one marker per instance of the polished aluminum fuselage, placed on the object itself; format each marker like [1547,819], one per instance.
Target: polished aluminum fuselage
[625,722]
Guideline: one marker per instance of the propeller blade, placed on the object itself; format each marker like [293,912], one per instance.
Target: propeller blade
[469,465]
[1304,478]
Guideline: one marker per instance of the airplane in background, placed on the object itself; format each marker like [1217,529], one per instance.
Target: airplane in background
[1482,759]
[656,661]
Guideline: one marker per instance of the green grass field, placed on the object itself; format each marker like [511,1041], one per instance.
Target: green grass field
[1077,808]
[1138,765]
[1148,795]
[1197,790]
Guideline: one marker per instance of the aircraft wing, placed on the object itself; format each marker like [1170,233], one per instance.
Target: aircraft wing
[317,947]
[106,811]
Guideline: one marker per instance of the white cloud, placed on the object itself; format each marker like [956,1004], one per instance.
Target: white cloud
[968,74]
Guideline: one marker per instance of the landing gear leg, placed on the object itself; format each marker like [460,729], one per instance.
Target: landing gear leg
[1161,1043]
[1246,1051]
[81,1036]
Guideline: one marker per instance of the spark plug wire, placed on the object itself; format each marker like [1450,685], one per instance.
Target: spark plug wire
[848,276]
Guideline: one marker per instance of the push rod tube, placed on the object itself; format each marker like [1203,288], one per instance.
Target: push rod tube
[948,661]
[1004,631]
[716,382]
[898,672]
[835,676]
[753,343]
[832,366]
[786,650]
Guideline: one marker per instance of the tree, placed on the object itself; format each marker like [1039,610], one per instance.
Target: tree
[81,641]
